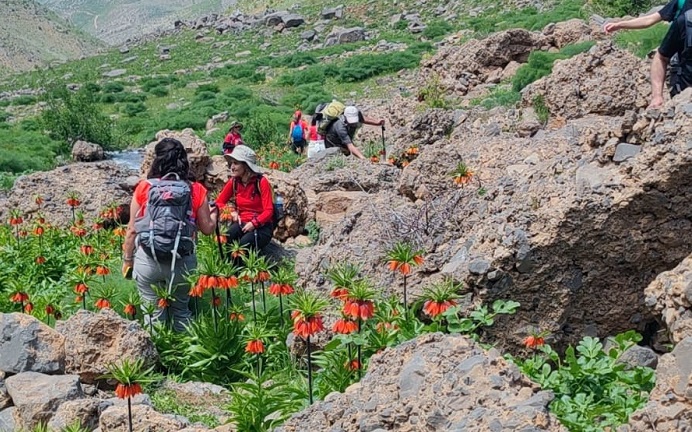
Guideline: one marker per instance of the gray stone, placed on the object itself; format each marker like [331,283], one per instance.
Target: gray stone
[7,423]
[625,151]
[333,13]
[412,377]
[36,396]
[479,267]
[293,20]
[114,73]
[5,399]
[27,344]
[639,356]
[308,35]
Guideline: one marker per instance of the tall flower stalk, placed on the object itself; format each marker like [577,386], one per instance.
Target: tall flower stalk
[283,283]
[360,306]
[401,258]
[307,321]
[130,376]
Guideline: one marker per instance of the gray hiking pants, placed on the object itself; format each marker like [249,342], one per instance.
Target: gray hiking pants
[147,272]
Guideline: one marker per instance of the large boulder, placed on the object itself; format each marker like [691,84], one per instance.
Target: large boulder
[460,68]
[345,35]
[83,151]
[567,32]
[28,345]
[295,205]
[98,185]
[606,80]
[670,403]
[86,412]
[94,340]
[144,418]
[196,148]
[670,295]
[37,396]
[444,382]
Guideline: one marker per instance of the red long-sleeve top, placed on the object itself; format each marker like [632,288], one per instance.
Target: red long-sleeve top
[251,207]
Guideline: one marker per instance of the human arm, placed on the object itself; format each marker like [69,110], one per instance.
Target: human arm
[130,234]
[634,23]
[372,122]
[226,194]
[354,151]
[206,219]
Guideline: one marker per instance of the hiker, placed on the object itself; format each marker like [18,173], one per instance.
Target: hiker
[297,132]
[148,250]
[233,138]
[341,131]
[667,13]
[678,41]
[250,193]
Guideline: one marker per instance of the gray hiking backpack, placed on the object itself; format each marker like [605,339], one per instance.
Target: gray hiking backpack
[681,63]
[167,229]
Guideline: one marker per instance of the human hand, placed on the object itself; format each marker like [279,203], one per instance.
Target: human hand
[381,122]
[248,227]
[611,27]
[127,269]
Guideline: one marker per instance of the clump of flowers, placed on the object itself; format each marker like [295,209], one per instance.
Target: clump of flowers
[462,174]
[439,297]
[130,376]
[401,258]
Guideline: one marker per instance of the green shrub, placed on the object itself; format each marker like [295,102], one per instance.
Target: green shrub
[113,87]
[618,8]
[243,72]
[24,100]
[530,18]
[150,82]
[313,74]
[92,87]
[294,60]
[4,115]
[22,150]
[265,126]
[5,103]
[213,88]
[75,115]
[542,111]
[364,66]
[594,391]
[438,28]
[159,91]
[132,109]
[131,97]
[306,97]
[401,25]
[237,93]
[540,64]
[204,96]
[30,125]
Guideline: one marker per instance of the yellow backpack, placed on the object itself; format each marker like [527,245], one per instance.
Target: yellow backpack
[328,115]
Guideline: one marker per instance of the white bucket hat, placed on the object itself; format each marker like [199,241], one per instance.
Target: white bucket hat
[243,153]
[352,115]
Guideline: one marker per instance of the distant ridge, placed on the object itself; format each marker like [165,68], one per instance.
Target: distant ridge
[116,21]
[33,36]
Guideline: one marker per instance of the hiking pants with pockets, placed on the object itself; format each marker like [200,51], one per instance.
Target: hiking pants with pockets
[147,272]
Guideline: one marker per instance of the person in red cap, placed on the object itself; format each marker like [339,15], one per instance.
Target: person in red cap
[297,133]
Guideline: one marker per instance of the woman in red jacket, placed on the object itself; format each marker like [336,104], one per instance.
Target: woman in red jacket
[250,195]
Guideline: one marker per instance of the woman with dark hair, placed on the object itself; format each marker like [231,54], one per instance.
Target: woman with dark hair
[250,195]
[150,267]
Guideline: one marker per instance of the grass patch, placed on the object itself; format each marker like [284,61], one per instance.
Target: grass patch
[641,42]
[166,401]
[494,19]
[540,64]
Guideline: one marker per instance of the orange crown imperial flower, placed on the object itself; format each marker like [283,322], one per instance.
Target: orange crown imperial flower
[102,303]
[124,391]
[345,326]
[434,308]
[130,310]
[359,309]
[254,346]
[19,297]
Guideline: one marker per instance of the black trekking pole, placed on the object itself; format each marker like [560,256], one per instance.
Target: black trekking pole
[218,240]
[384,148]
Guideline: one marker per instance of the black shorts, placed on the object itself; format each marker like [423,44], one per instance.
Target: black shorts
[298,145]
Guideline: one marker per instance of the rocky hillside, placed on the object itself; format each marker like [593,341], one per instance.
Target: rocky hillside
[116,21]
[32,36]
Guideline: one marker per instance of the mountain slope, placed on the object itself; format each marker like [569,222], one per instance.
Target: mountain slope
[114,21]
[32,36]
